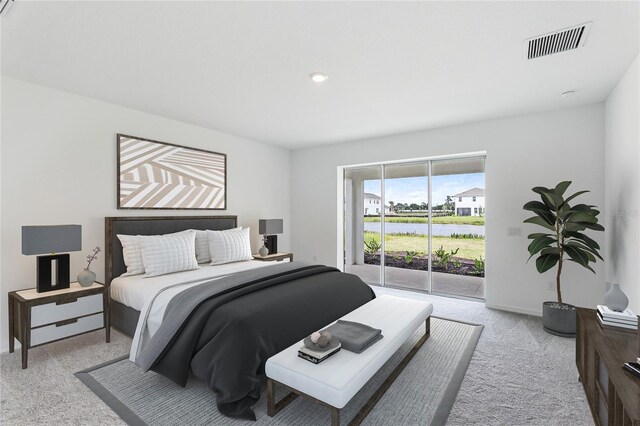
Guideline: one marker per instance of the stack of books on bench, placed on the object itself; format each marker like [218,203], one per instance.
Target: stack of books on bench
[316,356]
[611,318]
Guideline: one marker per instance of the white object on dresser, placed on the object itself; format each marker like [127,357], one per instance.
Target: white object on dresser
[39,318]
[336,380]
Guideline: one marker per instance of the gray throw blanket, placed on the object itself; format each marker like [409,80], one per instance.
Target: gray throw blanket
[354,336]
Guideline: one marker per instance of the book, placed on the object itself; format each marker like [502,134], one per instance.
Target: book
[617,321]
[314,356]
[631,368]
[616,324]
[627,315]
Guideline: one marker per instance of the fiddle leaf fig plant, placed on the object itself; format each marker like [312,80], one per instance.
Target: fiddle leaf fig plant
[565,224]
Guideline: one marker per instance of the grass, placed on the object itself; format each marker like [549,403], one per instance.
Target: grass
[442,220]
[469,248]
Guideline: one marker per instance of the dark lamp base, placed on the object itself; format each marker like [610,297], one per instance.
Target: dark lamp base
[272,244]
[53,272]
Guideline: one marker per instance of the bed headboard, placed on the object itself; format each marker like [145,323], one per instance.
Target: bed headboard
[151,225]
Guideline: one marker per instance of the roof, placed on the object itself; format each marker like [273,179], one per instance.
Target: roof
[473,192]
[371,196]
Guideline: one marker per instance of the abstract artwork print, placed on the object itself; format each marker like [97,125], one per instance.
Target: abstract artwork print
[159,175]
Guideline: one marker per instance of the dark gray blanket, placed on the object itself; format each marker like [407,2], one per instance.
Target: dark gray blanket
[227,329]
[355,336]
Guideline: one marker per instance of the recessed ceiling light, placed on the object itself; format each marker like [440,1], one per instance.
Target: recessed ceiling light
[567,93]
[318,77]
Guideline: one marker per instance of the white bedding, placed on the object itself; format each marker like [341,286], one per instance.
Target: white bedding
[151,295]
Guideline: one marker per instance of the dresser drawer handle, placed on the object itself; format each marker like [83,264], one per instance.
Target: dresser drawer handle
[66,322]
[64,302]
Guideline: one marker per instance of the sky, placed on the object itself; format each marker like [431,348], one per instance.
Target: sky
[414,190]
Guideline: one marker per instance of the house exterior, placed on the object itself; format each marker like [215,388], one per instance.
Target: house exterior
[470,202]
[372,204]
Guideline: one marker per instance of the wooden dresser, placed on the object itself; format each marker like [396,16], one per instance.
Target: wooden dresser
[613,393]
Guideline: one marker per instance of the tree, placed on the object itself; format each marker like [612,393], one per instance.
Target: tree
[414,206]
[423,206]
[391,209]
[448,203]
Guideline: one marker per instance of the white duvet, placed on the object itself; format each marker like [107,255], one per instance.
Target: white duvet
[151,295]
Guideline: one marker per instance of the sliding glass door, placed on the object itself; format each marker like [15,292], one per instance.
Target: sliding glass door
[406,227]
[417,225]
[457,245]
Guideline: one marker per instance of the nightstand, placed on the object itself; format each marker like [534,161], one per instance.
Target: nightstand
[274,257]
[36,319]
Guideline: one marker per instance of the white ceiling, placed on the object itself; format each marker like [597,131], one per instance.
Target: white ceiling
[242,67]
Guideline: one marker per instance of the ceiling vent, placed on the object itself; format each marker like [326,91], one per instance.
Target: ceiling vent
[556,42]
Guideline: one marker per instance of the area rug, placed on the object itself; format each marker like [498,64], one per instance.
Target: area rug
[422,394]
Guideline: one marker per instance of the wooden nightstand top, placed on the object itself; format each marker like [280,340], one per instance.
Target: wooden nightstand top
[274,256]
[74,287]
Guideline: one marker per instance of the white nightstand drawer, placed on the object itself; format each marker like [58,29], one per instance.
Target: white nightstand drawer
[53,332]
[50,313]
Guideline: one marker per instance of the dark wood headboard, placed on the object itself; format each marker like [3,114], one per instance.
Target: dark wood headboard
[151,225]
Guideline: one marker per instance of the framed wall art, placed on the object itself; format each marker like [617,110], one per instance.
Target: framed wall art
[160,175]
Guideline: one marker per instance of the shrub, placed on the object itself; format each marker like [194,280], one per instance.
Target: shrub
[410,256]
[444,257]
[467,236]
[479,265]
[372,246]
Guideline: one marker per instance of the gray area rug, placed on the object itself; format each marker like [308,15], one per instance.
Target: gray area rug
[423,393]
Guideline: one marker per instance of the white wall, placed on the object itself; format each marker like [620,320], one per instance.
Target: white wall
[522,152]
[58,166]
[622,180]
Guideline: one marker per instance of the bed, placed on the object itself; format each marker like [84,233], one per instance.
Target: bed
[221,323]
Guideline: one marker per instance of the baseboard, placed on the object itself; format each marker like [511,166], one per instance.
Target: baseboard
[534,312]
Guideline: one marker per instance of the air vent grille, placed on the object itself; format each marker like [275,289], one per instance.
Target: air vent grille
[556,42]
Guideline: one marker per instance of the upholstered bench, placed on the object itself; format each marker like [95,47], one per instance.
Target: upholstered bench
[338,378]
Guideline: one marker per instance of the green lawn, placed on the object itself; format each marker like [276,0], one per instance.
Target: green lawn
[469,248]
[443,220]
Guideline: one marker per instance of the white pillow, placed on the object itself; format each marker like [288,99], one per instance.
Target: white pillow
[132,254]
[202,246]
[164,254]
[231,245]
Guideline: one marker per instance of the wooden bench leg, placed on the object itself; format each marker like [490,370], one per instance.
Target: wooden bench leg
[427,330]
[274,407]
[335,416]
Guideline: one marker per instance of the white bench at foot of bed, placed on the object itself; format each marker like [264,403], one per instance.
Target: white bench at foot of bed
[337,379]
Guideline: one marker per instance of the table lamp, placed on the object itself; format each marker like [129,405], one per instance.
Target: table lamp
[52,269]
[269,227]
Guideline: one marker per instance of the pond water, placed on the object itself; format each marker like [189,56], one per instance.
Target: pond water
[423,228]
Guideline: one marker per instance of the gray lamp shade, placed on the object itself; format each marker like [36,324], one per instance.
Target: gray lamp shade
[51,239]
[270,226]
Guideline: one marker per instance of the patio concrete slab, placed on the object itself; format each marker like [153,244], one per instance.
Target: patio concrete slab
[460,285]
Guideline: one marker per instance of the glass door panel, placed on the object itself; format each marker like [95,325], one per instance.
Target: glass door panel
[406,226]
[457,230]
[363,207]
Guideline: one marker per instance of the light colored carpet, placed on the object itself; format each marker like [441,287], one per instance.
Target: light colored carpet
[424,390]
[519,375]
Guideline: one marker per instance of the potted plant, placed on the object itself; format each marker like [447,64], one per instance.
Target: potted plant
[564,240]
